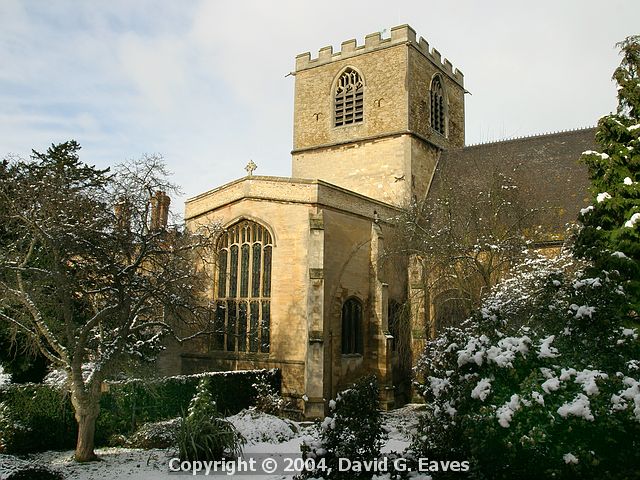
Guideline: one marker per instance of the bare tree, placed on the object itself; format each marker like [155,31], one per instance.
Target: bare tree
[463,238]
[91,272]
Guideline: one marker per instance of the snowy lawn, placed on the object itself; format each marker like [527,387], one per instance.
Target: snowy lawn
[266,436]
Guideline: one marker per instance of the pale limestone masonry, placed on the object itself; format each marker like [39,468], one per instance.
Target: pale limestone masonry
[323,242]
[400,34]
[391,155]
[286,191]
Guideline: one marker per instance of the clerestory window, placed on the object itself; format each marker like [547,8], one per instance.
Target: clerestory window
[438,107]
[352,327]
[349,99]
[242,316]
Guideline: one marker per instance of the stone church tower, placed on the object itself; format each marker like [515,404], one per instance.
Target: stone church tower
[374,118]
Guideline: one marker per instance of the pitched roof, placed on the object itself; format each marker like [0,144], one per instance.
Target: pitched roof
[544,167]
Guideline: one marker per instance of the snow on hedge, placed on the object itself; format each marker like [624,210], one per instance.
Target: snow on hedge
[259,427]
[5,378]
[550,356]
[482,389]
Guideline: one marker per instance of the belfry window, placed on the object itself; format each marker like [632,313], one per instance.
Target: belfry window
[438,113]
[352,327]
[242,315]
[349,99]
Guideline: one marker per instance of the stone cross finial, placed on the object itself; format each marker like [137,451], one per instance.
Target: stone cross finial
[250,167]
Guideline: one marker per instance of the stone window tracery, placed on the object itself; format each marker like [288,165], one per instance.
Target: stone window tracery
[242,315]
[438,107]
[349,99]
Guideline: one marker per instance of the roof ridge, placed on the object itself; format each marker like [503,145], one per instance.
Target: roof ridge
[533,135]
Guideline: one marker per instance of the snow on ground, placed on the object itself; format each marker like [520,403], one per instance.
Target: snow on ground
[401,424]
[266,436]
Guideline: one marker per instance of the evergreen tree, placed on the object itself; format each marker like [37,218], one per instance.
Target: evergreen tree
[611,233]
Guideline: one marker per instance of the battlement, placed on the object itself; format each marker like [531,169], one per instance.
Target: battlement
[402,34]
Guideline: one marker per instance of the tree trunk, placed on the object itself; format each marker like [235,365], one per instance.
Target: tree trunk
[87,408]
[86,433]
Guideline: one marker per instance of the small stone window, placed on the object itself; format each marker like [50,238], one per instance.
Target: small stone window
[438,107]
[352,327]
[349,99]
[242,316]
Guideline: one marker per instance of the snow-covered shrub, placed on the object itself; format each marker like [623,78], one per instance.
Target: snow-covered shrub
[256,426]
[156,434]
[353,430]
[56,378]
[542,382]
[204,434]
[267,398]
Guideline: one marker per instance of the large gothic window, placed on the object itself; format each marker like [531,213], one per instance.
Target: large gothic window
[242,317]
[349,106]
[438,113]
[352,327]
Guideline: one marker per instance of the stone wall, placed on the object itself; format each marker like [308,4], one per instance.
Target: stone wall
[288,224]
[375,168]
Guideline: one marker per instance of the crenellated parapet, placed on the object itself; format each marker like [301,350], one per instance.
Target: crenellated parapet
[402,34]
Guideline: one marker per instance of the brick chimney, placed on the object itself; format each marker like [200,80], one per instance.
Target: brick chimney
[159,210]
[122,212]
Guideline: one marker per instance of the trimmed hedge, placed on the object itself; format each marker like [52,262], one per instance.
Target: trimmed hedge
[35,417]
[129,404]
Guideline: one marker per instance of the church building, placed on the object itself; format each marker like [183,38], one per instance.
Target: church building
[299,282]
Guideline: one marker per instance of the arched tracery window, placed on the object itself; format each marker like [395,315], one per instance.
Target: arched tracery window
[438,107]
[451,309]
[243,289]
[349,98]
[352,327]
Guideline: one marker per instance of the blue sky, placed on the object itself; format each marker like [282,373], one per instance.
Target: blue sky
[203,82]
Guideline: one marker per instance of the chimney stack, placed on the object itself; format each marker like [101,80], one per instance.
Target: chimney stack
[159,210]
[122,212]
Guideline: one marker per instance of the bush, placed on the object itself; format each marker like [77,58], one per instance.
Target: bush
[257,426]
[204,434]
[540,383]
[353,430]
[36,417]
[130,403]
[156,435]
[267,398]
